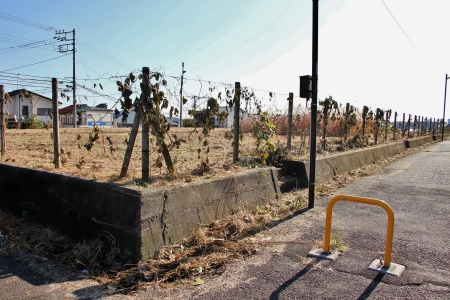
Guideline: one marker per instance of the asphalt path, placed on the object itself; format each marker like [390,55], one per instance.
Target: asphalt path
[417,187]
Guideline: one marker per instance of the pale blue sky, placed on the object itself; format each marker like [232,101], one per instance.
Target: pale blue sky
[364,57]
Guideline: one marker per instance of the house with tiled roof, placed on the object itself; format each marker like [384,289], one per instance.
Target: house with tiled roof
[87,116]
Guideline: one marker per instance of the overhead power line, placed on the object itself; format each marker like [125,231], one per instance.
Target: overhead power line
[20,77]
[18,74]
[34,63]
[105,56]
[403,30]
[39,44]
[12,37]
[98,93]
[26,22]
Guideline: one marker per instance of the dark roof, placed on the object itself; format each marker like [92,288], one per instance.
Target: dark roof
[23,91]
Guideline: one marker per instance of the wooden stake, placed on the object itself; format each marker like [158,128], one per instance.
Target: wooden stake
[56,144]
[145,125]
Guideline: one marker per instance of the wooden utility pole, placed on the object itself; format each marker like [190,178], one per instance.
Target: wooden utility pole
[55,113]
[2,123]
[145,125]
[237,108]
[74,83]
[289,124]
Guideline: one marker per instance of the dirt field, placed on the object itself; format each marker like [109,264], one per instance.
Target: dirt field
[33,148]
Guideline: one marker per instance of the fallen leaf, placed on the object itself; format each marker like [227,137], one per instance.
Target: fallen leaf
[198,281]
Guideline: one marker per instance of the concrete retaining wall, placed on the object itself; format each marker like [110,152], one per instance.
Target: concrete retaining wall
[141,220]
[327,167]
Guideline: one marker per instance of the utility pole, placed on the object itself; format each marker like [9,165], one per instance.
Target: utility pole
[181,96]
[74,87]
[63,49]
[312,134]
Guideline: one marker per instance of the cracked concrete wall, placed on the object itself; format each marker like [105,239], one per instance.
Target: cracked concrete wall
[140,220]
[175,212]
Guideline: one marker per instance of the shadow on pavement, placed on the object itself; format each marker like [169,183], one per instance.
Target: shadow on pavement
[276,294]
[31,270]
[372,286]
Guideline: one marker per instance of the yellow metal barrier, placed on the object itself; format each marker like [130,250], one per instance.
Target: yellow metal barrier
[384,205]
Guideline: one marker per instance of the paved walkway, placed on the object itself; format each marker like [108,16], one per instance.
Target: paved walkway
[417,188]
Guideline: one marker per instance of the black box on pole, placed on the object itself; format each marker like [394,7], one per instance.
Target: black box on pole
[305,86]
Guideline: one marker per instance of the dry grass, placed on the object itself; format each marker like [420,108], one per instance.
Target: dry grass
[33,148]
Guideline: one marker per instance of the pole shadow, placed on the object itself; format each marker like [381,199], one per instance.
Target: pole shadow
[372,286]
[276,294]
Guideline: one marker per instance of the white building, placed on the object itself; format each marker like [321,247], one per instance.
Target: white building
[120,121]
[87,116]
[25,104]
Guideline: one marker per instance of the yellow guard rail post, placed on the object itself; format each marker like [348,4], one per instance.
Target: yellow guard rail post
[384,205]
